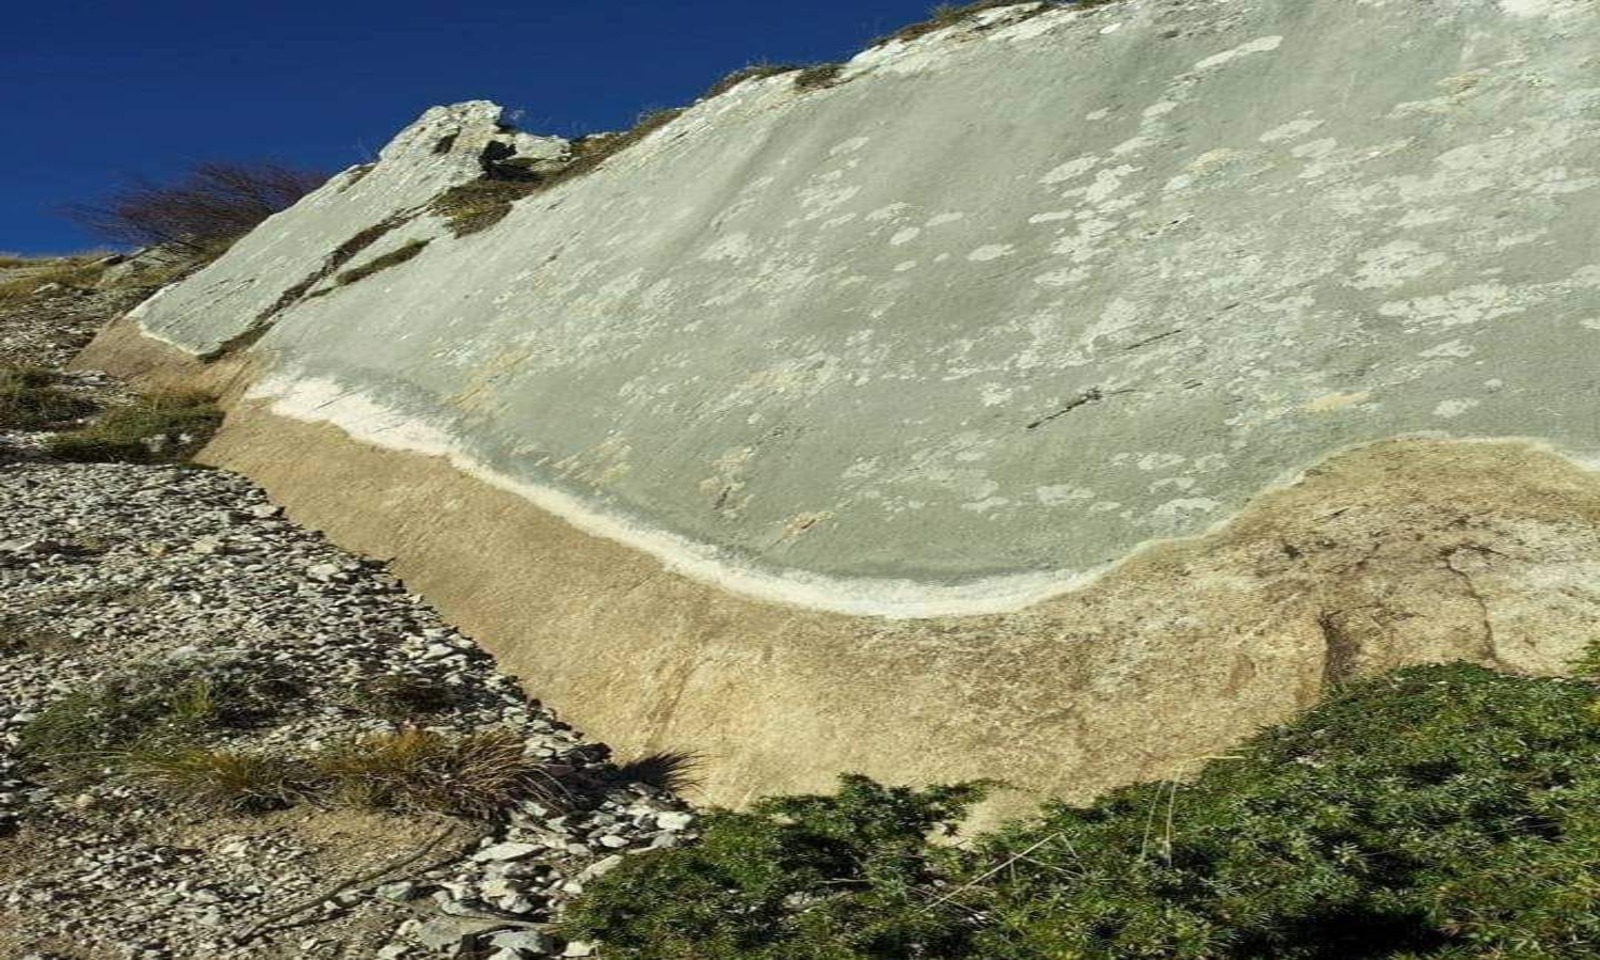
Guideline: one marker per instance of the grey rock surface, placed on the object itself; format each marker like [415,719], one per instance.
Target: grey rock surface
[1008,302]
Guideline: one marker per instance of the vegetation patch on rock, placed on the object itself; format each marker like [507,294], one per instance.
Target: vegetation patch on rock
[756,71]
[479,204]
[394,257]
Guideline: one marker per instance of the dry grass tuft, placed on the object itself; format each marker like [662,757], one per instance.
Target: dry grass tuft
[950,14]
[210,779]
[756,71]
[469,775]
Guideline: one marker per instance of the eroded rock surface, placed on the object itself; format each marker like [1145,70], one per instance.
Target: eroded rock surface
[1003,309]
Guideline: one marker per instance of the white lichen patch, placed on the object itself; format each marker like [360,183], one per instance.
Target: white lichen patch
[1071,170]
[1453,349]
[1062,494]
[984,506]
[734,247]
[1292,130]
[992,251]
[1316,149]
[1394,264]
[849,146]
[1450,409]
[1260,45]
[995,394]
[1332,402]
[1467,305]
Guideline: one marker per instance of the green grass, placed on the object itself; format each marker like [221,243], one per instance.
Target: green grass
[156,428]
[148,707]
[30,399]
[73,273]
[1438,812]
[171,729]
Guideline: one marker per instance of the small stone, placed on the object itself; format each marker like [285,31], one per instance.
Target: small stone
[601,867]
[674,821]
[447,934]
[400,892]
[579,948]
[506,851]
[518,905]
[530,940]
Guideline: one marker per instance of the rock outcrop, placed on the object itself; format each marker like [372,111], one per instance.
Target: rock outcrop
[1058,396]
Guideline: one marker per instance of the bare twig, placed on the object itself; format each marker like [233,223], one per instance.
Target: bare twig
[300,906]
[987,874]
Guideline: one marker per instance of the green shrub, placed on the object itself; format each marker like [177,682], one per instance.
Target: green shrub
[1443,811]
[30,399]
[842,876]
[161,427]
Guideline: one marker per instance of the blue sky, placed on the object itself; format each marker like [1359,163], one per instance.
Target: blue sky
[94,92]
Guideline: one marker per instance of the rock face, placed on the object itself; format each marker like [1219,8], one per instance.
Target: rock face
[856,426]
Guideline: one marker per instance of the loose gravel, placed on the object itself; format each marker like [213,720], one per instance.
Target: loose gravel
[112,568]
